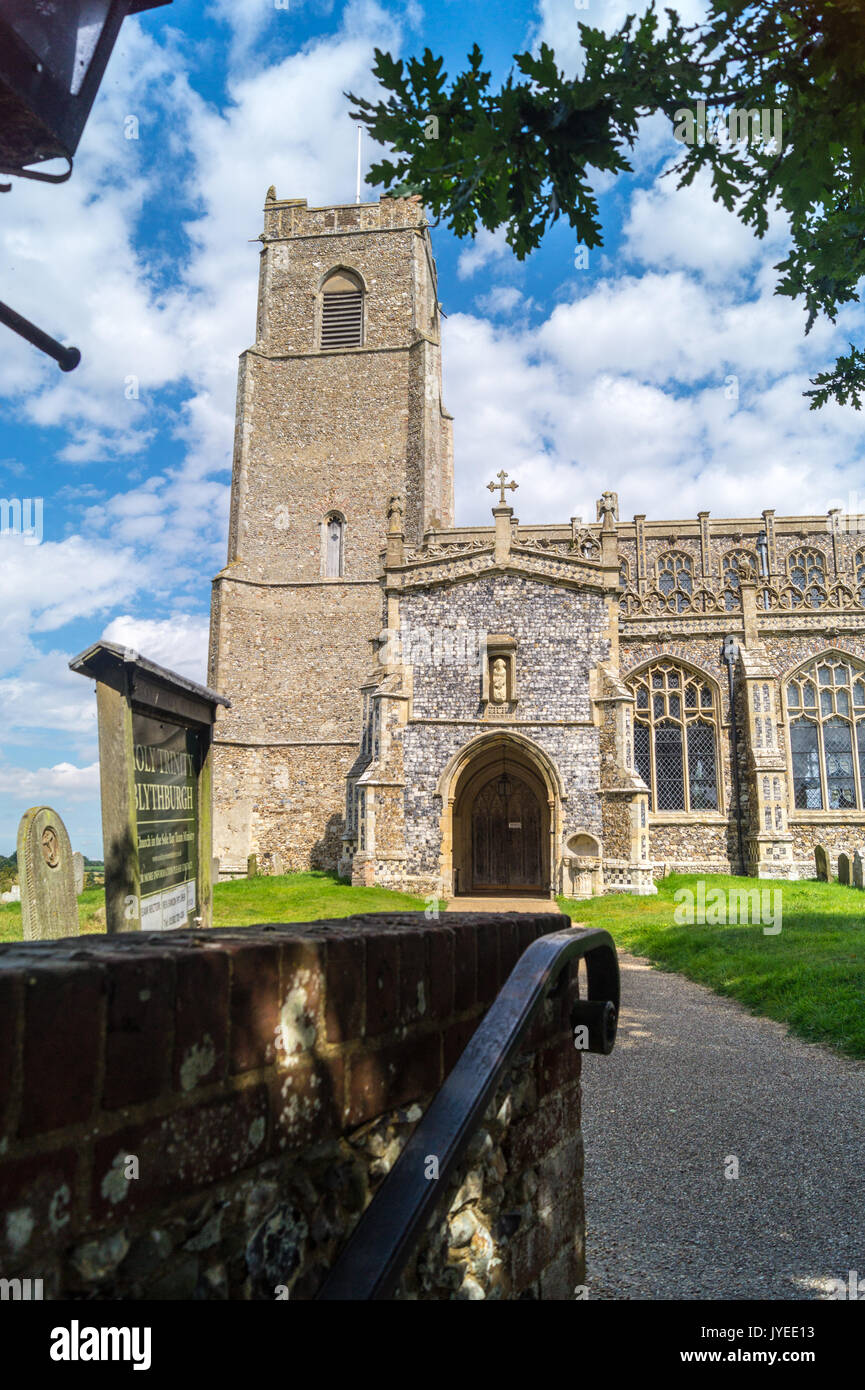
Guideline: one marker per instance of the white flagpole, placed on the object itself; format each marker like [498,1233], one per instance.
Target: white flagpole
[359,132]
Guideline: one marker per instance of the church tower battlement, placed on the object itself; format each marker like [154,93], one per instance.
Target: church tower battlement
[338,409]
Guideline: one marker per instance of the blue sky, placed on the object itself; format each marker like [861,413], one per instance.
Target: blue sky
[572,379]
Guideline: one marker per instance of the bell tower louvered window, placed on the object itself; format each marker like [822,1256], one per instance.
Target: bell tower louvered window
[342,311]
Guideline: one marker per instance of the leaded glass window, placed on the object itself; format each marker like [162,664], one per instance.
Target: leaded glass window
[676,580]
[676,738]
[826,713]
[806,570]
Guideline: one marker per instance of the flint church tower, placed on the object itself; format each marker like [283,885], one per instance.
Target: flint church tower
[339,410]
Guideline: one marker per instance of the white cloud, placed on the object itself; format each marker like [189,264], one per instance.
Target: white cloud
[683,228]
[42,587]
[178,643]
[502,300]
[64,780]
[559,21]
[485,247]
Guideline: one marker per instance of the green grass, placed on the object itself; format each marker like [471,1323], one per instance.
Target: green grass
[91,915]
[810,976]
[243,902]
[300,898]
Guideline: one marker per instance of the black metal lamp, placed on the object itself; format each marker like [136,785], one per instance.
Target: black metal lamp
[504,784]
[52,59]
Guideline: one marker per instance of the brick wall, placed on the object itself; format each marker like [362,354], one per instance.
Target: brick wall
[264,1080]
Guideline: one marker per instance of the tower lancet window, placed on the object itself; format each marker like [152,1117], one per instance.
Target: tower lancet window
[334,547]
[342,311]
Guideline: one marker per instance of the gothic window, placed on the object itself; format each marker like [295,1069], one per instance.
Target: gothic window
[334,534]
[624,573]
[859,565]
[342,311]
[826,712]
[676,738]
[735,563]
[676,579]
[806,570]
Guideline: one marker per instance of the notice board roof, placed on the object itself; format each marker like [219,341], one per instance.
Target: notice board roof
[147,683]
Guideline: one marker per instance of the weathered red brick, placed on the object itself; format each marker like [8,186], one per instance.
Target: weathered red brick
[307,1102]
[254,1005]
[441,966]
[201,1019]
[527,1142]
[11,994]
[557,1065]
[138,1028]
[413,978]
[509,948]
[36,1196]
[571,1108]
[379,1081]
[563,1274]
[456,1039]
[465,969]
[530,1253]
[489,979]
[345,990]
[179,1153]
[63,1020]
[382,984]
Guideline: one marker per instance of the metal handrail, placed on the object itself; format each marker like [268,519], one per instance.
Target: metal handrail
[370,1265]
[67,358]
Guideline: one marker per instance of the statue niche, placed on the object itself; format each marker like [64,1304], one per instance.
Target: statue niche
[499,681]
[499,692]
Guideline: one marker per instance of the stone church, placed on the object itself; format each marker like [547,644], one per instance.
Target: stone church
[574,707]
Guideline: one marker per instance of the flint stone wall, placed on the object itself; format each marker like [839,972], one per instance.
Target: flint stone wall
[266,1079]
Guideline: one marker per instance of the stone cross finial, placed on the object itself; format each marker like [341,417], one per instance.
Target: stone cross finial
[503,486]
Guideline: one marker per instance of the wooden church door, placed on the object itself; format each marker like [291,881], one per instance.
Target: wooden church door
[506,836]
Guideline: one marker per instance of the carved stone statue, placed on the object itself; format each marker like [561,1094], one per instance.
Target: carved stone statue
[499,683]
[608,510]
[395,509]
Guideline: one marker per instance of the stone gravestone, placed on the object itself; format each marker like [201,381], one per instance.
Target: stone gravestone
[78,869]
[821,859]
[857,870]
[844,869]
[49,904]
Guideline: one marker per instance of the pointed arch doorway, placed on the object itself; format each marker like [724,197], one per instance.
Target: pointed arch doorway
[502,812]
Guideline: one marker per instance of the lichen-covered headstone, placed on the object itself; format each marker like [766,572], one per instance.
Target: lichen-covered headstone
[844,875]
[252,866]
[49,904]
[821,859]
[78,870]
[858,881]
[214,870]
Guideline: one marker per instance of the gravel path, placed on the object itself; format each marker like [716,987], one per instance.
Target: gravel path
[694,1078]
